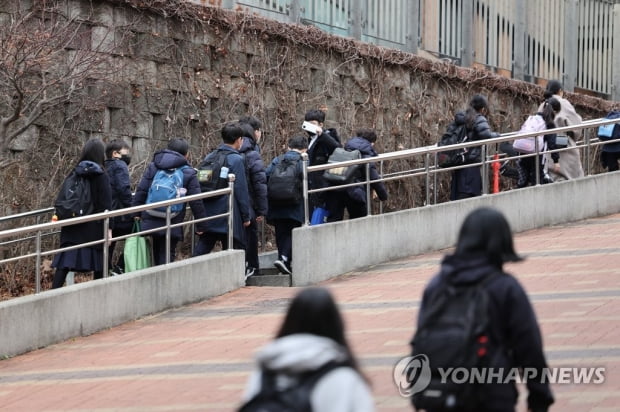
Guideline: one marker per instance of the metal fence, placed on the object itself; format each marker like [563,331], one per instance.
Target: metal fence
[533,40]
[429,172]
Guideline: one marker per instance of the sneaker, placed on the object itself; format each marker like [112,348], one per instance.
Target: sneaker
[250,271]
[281,266]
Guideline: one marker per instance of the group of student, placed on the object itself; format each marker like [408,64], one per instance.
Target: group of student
[106,167]
[554,111]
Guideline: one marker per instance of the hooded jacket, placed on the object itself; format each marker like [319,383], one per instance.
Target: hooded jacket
[257,181]
[118,174]
[514,331]
[102,201]
[358,193]
[341,390]
[169,159]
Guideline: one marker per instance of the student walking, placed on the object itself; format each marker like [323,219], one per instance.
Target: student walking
[467,182]
[173,159]
[90,258]
[118,157]
[475,315]
[257,189]
[310,345]
[286,208]
[232,139]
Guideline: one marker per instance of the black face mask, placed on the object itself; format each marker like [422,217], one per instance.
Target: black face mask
[126,158]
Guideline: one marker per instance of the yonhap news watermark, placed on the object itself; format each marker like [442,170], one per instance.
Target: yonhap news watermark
[413,374]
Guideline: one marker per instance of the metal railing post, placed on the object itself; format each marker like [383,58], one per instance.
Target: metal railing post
[571,23]
[485,170]
[467,49]
[615,66]
[304,158]
[368,191]
[168,220]
[38,263]
[518,61]
[427,168]
[586,140]
[231,214]
[106,244]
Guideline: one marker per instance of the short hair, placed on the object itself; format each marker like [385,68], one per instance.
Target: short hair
[93,150]
[252,121]
[248,130]
[368,134]
[232,131]
[115,145]
[179,145]
[486,232]
[479,102]
[298,142]
[318,115]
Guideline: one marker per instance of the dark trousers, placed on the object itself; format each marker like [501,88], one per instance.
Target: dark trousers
[338,201]
[251,247]
[159,249]
[610,160]
[206,242]
[284,238]
[61,275]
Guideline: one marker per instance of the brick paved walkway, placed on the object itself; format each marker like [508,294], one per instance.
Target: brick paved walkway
[198,357]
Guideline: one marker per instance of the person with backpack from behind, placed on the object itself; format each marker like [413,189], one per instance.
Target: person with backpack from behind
[309,366]
[527,165]
[286,206]
[118,156]
[224,161]
[96,197]
[467,182]
[257,189]
[169,171]
[472,301]
[321,145]
[354,198]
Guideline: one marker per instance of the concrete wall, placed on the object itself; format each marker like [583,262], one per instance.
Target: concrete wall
[324,251]
[36,321]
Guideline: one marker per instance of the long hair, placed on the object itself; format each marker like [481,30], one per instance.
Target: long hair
[476,105]
[550,108]
[94,150]
[486,232]
[314,311]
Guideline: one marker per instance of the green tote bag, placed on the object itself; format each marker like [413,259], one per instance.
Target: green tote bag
[137,252]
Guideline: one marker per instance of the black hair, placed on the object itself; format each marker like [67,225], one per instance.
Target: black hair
[486,231]
[232,131]
[93,150]
[298,142]
[553,87]
[314,311]
[179,145]
[252,121]
[315,114]
[476,105]
[368,134]
[550,108]
[115,145]
[248,130]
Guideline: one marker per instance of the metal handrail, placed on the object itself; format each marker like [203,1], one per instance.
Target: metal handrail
[106,238]
[433,169]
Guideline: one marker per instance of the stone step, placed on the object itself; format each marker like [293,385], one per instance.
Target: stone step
[269,277]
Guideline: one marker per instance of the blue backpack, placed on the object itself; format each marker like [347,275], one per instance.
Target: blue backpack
[167,185]
[610,131]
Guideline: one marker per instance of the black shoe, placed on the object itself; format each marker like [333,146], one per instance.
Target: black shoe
[281,266]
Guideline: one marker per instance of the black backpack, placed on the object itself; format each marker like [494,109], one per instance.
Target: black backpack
[293,399]
[453,333]
[456,133]
[210,171]
[74,198]
[343,175]
[284,186]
